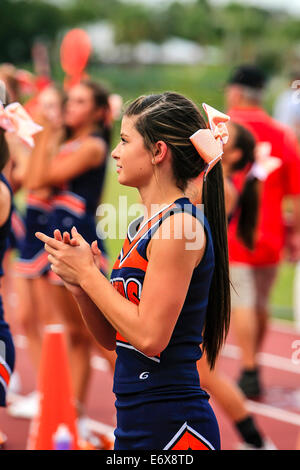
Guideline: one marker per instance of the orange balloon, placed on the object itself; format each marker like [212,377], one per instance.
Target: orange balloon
[75,51]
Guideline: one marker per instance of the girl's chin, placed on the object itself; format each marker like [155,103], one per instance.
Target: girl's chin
[72,123]
[122,180]
[69,124]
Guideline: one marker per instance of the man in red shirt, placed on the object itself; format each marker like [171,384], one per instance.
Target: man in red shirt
[253,272]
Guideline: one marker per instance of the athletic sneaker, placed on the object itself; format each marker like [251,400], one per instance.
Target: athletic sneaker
[249,383]
[26,407]
[267,445]
[88,440]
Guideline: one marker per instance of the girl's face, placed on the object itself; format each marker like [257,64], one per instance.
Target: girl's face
[133,160]
[50,103]
[80,109]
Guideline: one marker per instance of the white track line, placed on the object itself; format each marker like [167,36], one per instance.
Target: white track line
[265,359]
[273,412]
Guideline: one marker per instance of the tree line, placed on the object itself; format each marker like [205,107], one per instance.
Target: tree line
[241,31]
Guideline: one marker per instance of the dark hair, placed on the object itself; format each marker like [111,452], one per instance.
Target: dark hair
[4,153]
[100,94]
[249,198]
[173,118]
[249,75]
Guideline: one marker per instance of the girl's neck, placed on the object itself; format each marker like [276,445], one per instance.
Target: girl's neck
[83,131]
[154,200]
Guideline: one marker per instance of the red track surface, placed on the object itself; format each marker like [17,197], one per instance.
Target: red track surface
[277,413]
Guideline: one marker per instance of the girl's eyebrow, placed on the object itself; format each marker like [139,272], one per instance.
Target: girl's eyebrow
[123,134]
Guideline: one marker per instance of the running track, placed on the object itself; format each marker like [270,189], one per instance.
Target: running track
[277,413]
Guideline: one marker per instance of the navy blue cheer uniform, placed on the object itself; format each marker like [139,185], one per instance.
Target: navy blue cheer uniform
[159,401]
[17,231]
[75,204]
[7,350]
[33,260]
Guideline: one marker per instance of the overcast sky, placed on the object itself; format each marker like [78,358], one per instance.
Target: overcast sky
[292,6]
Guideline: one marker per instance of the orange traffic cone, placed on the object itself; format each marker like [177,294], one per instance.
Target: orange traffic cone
[56,403]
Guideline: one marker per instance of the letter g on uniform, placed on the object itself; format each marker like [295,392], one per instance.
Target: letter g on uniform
[144,375]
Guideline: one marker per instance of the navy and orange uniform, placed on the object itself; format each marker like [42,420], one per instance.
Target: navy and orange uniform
[7,350]
[18,230]
[75,203]
[159,401]
[32,261]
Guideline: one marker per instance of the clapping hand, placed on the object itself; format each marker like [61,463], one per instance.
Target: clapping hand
[71,258]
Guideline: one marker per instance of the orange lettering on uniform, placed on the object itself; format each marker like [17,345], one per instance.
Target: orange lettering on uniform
[133,292]
[119,286]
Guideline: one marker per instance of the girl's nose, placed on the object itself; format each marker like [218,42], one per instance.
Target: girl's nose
[114,152]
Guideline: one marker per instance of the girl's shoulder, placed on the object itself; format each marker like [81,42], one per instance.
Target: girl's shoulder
[183,229]
[87,145]
[92,142]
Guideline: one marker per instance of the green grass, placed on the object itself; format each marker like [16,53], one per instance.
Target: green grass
[200,83]
[282,293]
[112,191]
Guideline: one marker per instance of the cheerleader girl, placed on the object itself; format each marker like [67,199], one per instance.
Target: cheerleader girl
[76,175]
[29,267]
[168,294]
[34,309]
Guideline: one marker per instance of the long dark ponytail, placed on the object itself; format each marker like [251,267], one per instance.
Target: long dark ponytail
[173,118]
[248,202]
[218,318]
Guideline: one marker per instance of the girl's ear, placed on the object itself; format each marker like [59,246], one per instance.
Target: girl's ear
[160,152]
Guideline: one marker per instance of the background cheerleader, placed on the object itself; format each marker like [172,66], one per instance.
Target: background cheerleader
[76,175]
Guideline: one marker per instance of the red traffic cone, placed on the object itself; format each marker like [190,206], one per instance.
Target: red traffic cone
[56,402]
